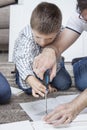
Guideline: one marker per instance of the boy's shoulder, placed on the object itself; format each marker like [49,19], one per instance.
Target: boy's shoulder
[26,31]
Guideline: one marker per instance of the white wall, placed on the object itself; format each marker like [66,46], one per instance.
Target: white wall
[78,49]
[20,16]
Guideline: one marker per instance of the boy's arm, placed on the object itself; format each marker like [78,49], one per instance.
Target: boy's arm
[53,52]
[24,52]
[23,57]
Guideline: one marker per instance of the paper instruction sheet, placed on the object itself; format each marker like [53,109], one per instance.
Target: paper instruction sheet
[16,91]
[36,110]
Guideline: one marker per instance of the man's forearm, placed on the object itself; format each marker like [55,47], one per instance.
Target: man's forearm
[56,45]
[63,41]
[80,101]
[56,50]
[52,49]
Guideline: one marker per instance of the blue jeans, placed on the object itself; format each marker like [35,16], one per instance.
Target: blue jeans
[62,80]
[28,90]
[80,73]
[5,91]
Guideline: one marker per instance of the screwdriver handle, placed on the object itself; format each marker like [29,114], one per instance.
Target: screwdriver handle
[47,78]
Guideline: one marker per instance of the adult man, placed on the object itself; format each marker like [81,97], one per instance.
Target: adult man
[76,25]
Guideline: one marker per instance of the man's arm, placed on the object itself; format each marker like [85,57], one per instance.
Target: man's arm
[47,59]
[66,38]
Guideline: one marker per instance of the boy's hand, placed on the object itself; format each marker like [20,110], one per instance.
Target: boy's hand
[37,87]
[34,93]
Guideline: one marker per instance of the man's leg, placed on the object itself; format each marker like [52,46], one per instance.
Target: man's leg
[80,73]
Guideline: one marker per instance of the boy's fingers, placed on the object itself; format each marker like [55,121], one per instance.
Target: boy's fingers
[37,92]
[34,94]
[41,94]
[41,88]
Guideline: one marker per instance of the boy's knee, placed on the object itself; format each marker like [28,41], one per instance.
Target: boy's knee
[62,84]
[62,81]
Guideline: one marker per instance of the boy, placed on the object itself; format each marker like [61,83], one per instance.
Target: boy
[45,25]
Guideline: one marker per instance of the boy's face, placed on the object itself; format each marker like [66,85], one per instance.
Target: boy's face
[43,39]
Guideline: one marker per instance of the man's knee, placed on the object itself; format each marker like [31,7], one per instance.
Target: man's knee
[81,84]
[80,72]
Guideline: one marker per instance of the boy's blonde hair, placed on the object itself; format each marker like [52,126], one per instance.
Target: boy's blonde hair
[46,18]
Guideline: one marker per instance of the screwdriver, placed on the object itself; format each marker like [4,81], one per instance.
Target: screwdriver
[46,83]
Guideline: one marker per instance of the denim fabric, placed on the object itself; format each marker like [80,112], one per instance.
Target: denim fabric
[5,91]
[80,73]
[27,91]
[62,80]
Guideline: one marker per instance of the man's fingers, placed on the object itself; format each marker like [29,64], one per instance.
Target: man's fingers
[63,121]
[53,72]
[35,63]
[56,114]
[51,116]
[68,120]
[59,121]
[40,72]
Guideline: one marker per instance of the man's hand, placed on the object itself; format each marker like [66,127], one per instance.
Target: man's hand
[46,60]
[65,113]
[62,114]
